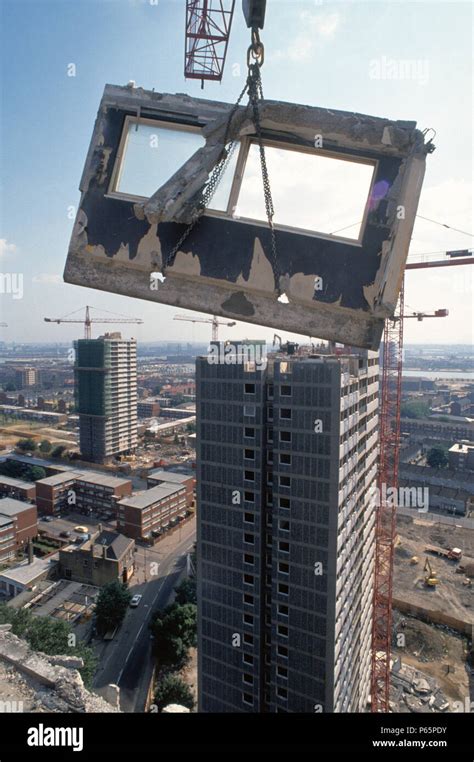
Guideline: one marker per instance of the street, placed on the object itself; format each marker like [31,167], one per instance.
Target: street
[126,661]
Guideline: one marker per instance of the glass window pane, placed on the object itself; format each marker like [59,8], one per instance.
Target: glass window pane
[310,191]
[152,155]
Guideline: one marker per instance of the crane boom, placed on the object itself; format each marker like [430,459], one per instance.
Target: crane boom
[212,320]
[208,26]
[87,321]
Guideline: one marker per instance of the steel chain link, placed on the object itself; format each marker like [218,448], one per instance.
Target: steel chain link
[255,90]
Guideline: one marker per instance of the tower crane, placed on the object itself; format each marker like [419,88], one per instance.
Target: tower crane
[208,25]
[87,320]
[213,320]
[385,522]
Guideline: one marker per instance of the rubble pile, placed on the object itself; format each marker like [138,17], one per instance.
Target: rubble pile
[42,683]
[413,691]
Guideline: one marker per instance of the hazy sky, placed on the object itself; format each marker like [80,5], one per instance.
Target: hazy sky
[329,54]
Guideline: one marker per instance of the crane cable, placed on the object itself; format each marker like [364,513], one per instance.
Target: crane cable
[254,88]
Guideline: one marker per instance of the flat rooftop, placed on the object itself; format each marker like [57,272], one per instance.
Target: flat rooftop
[11,507]
[56,479]
[8,480]
[105,480]
[169,476]
[462,447]
[148,497]
[39,462]
[33,412]
[90,477]
[26,573]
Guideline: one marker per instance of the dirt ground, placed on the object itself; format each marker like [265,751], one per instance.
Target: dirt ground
[189,674]
[450,596]
[436,651]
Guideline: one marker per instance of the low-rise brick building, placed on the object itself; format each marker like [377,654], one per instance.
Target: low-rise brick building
[84,491]
[159,476]
[107,557]
[7,538]
[17,489]
[147,514]
[24,519]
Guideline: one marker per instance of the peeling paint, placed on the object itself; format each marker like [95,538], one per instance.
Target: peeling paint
[261,272]
[224,265]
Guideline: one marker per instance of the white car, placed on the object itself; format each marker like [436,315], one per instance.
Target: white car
[135,601]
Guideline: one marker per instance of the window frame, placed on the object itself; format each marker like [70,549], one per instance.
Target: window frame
[119,162]
[246,142]
[236,186]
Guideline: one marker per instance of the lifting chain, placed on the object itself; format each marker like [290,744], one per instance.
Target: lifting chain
[254,88]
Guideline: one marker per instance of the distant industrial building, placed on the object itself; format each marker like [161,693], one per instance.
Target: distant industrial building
[18,525]
[417,384]
[108,557]
[31,414]
[148,408]
[286,457]
[177,412]
[106,396]
[461,456]
[83,491]
[147,514]
[450,491]
[461,406]
[440,430]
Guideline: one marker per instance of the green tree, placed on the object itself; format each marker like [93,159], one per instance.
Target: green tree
[33,473]
[436,457]
[414,409]
[157,390]
[111,606]
[57,451]
[186,591]
[173,690]
[174,632]
[49,635]
[45,446]
[9,387]
[26,445]
[12,468]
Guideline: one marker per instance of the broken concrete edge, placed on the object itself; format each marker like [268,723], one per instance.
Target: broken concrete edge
[390,274]
[56,673]
[361,329]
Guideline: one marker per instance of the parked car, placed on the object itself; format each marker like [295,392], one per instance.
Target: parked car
[46,518]
[135,601]
[65,534]
[81,529]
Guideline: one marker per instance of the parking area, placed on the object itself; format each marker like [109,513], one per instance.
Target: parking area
[63,528]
